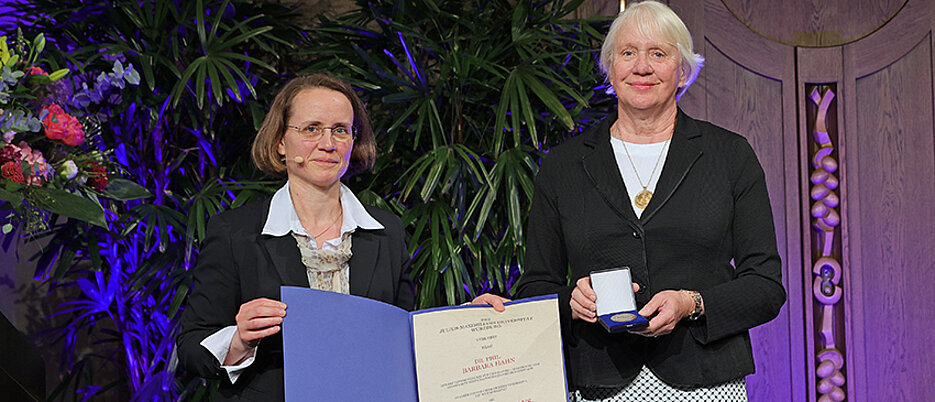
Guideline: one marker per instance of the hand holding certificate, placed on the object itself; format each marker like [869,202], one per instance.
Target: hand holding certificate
[340,347]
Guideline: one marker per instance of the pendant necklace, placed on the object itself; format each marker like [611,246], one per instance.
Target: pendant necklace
[340,214]
[642,199]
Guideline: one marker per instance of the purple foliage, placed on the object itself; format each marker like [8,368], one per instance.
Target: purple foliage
[412,62]
[104,90]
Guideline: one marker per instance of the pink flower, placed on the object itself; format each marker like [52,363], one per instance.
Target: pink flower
[40,167]
[62,126]
[35,70]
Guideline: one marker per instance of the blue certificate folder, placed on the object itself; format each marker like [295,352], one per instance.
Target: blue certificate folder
[339,347]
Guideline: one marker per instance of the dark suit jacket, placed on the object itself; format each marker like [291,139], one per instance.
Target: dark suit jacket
[710,207]
[238,264]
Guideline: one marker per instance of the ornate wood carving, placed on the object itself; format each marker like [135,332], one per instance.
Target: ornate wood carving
[827,269]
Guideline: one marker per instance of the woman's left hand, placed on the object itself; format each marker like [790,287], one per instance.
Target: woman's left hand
[669,307]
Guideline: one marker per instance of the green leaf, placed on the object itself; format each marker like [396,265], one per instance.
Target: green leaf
[65,261]
[11,197]
[177,300]
[180,86]
[258,114]
[37,79]
[230,82]
[148,74]
[200,21]
[550,100]
[525,109]
[239,39]
[93,250]
[67,204]
[200,83]
[124,190]
[58,74]
[216,83]
[240,74]
[217,18]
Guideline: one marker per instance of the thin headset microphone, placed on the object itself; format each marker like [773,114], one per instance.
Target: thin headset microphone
[297,159]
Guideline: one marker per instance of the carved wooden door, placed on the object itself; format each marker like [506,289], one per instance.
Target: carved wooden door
[837,99]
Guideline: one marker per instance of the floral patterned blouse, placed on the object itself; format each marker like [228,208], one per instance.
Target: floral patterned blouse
[327,267]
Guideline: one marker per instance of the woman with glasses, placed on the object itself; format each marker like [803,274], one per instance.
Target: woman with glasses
[313,232]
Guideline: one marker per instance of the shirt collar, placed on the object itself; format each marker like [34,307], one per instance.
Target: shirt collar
[282,218]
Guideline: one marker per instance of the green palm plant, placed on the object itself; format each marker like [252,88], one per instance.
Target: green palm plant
[465,97]
[207,68]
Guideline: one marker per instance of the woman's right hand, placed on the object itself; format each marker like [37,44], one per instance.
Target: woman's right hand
[584,300]
[257,319]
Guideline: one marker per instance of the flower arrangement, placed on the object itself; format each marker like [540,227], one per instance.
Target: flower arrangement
[52,160]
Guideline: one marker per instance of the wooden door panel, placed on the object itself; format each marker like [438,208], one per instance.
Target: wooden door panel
[751,105]
[896,212]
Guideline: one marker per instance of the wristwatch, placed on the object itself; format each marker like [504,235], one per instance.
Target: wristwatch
[696,312]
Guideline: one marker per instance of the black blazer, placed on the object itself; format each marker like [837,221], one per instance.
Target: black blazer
[238,264]
[710,207]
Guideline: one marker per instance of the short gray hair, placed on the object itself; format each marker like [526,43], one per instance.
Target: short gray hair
[654,19]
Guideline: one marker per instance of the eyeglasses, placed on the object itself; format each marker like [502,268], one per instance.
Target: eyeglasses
[314,133]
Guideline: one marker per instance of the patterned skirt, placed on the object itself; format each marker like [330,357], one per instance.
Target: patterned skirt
[646,387]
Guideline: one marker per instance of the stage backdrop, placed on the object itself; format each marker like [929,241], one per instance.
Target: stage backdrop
[837,99]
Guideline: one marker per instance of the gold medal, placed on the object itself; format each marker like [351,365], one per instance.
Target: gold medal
[623,317]
[642,199]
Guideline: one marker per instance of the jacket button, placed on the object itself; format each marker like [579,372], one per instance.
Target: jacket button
[642,288]
[636,234]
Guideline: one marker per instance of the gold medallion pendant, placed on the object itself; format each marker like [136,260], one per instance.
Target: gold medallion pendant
[642,199]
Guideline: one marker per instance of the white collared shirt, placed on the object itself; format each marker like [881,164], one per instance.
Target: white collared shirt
[282,220]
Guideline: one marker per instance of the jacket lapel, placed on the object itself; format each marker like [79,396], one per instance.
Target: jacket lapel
[601,168]
[365,249]
[684,151]
[283,252]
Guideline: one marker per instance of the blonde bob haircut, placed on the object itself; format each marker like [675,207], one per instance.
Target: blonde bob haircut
[657,21]
[265,151]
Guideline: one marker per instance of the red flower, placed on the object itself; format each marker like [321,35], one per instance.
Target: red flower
[97,175]
[62,126]
[36,70]
[13,171]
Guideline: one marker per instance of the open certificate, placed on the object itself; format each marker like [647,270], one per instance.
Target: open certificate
[347,348]
[473,353]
